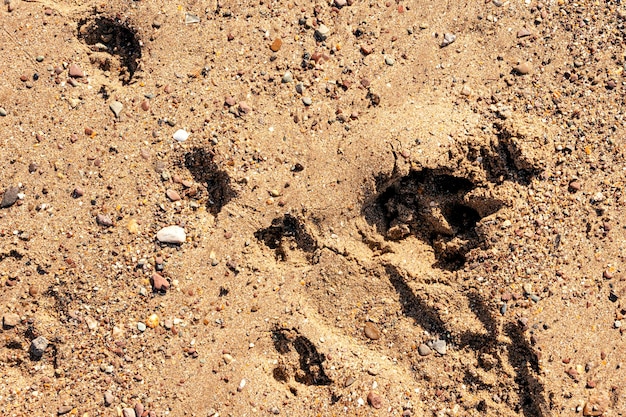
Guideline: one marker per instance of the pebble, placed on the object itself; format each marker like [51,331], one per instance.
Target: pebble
[371,331]
[466,90]
[424,350]
[38,346]
[341,3]
[139,409]
[307,101]
[181,135]
[300,88]
[448,39]
[158,21]
[10,320]
[287,77]
[230,101]
[523,68]
[244,108]
[104,220]
[75,71]
[3,112]
[191,18]
[597,405]
[116,107]
[522,33]
[10,197]
[64,409]
[375,400]
[159,283]
[128,412]
[78,192]
[171,234]
[172,195]
[242,385]
[389,60]
[145,105]
[321,33]
[141,326]
[574,186]
[276,45]
[439,346]
[108,398]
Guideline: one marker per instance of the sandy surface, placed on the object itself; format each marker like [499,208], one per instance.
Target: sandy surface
[400,208]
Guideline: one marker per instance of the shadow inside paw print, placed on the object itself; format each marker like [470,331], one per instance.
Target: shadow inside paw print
[438,208]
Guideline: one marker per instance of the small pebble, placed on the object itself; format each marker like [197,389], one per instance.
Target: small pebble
[139,409]
[10,320]
[439,346]
[128,412]
[171,234]
[116,107]
[159,283]
[64,409]
[181,135]
[389,60]
[244,108]
[522,33]
[39,58]
[523,68]
[108,398]
[104,220]
[371,331]
[172,195]
[78,192]
[448,39]
[141,326]
[3,112]
[38,346]
[374,400]
[145,105]
[9,197]
[307,101]
[424,350]
[276,45]
[75,71]
[321,33]
[287,77]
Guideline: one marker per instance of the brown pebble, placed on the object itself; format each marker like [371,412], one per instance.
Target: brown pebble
[574,186]
[608,274]
[64,409]
[375,400]
[230,101]
[10,320]
[276,45]
[139,409]
[88,131]
[172,194]
[244,107]
[167,89]
[104,220]
[24,78]
[159,283]
[522,33]
[597,405]
[523,68]
[371,331]
[33,291]
[145,105]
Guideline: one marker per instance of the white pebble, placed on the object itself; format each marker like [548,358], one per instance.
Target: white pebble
[172,234]
[181,135]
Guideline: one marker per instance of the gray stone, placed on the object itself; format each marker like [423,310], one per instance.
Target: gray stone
[104,220]
[10,197]
[116,107]
[300,88]
[322,32]
[172,234]
[38,346]
[439,346]
[448,39]
[287,78]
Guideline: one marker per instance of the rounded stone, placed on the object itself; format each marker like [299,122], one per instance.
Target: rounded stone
[371,331]
[171,234]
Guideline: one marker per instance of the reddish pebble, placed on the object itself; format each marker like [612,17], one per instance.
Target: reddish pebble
[230,101]
[88,131]
[24,78]
[374,400]
[244,108]
[75,71]
[167,89]
[145,105]
[159,283]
